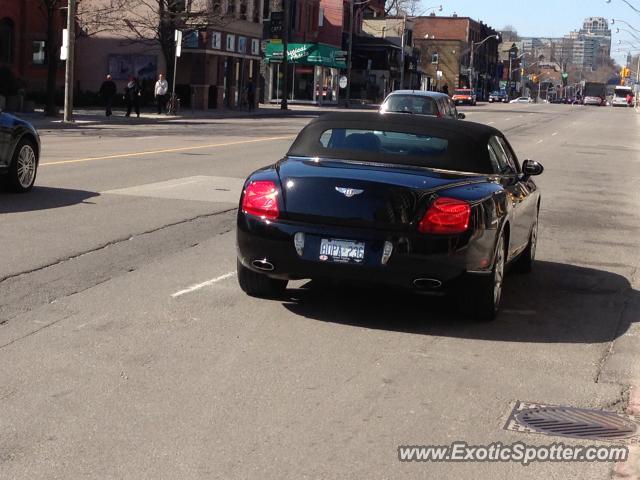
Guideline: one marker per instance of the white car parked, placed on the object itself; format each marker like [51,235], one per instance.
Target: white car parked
[522,100]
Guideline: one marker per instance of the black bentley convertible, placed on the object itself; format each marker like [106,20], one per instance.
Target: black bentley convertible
[434,205]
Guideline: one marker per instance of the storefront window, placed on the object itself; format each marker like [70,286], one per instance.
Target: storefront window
[303,79]
[6,40]
[39,52]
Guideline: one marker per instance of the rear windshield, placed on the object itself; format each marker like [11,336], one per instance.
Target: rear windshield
[394,143]
[408,148]
[462,92]
[411,104]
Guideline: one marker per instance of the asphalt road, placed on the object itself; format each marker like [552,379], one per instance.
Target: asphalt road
[129,351]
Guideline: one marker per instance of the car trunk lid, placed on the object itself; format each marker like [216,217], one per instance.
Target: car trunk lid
[333,192]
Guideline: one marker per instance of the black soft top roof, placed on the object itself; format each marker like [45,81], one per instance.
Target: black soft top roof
[467,150]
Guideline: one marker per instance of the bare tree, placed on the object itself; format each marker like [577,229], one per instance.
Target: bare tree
[401,7]
[150,22]
[509,34]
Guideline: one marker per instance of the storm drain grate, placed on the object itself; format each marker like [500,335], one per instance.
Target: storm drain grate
[574,423]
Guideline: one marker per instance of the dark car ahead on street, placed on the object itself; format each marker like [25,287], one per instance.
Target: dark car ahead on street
[432,205]
[498,96]
[19,153]
[421,102]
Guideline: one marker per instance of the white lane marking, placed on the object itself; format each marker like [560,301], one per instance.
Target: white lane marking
[198,286]
[554,134]
[540,141]
[507,119]
[491,123]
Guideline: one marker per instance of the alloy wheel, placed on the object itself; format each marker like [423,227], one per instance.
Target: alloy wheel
[26,166]
[498,273]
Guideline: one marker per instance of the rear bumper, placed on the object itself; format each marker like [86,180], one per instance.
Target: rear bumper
[414,256]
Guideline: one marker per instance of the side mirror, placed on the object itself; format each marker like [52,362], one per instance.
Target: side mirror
[531,168]
[461,116]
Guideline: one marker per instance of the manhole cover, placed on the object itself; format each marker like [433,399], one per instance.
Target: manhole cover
[574,422]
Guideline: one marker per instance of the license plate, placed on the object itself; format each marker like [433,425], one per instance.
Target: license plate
[344,251]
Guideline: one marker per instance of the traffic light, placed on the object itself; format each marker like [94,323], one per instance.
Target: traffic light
[522,72]
[534,78]
[627,72]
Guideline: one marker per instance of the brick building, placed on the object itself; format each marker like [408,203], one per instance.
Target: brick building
[452,39]
[315,56]
[23,36]
[216,64]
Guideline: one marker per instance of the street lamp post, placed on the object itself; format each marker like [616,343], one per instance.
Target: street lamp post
[614,20]
[349,54]
[285,54]
[628,3]
[618,30]
[69,66]
[471,69]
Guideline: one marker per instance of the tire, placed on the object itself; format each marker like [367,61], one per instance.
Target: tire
[23,168]
[259,285]
[485,292]
[524,264]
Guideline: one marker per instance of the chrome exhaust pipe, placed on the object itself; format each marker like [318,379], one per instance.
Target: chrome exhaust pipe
[263,265]
[427,283]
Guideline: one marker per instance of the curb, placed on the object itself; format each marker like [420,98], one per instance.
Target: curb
[630,470]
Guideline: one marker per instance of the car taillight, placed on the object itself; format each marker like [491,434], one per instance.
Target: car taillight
[446,216]
[439,114]
[261,199]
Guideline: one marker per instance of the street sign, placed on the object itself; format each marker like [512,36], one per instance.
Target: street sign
[177,36]
[439,74]
[64,50]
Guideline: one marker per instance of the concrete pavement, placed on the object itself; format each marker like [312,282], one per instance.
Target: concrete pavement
[109,373]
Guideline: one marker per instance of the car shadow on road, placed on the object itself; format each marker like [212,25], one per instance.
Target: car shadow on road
[42,198]
[557,303]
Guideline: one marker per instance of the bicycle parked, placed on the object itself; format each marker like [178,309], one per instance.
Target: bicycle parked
[173,105]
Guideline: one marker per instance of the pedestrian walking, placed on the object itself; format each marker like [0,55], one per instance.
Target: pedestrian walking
[107,92]
[251,94]
[630,100]
[160,93]
[132,95]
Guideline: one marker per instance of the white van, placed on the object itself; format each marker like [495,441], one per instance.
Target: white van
[620,96]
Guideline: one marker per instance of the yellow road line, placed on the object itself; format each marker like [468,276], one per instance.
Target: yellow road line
[167,150]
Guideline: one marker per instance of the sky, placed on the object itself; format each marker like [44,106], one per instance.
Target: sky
[547,18]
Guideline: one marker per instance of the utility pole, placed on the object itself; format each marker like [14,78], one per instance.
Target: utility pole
[68,77]
[177,37]
[471,85]
[404,29]
[523,75]
[349,54]
[285,54]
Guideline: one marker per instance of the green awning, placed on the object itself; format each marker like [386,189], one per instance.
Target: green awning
[307,54]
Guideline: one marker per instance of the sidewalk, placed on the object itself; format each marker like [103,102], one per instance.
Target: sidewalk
[96,116]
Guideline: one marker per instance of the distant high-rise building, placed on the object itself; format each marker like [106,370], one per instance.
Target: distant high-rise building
[596,37]
[587,48]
